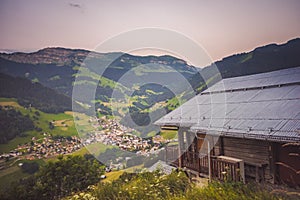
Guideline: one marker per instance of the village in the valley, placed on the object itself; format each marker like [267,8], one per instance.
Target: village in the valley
[112,133]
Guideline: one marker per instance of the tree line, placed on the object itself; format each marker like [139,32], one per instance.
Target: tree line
[13,123]
[33,94]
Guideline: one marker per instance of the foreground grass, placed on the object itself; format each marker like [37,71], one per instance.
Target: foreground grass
[115,175]
[229,191]
[128,185]
[112,176]
[176,186]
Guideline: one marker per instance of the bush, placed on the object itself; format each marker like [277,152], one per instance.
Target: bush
[57,179]
[147,186]
[230,191]
[176,186]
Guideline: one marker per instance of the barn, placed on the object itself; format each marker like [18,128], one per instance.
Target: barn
[242,128]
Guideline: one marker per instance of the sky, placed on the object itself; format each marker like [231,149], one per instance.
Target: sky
[221,27]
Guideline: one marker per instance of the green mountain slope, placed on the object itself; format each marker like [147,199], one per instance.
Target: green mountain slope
[33,94]
[37,123]
[13,124]
[262,59]
[153,87]
[58,68]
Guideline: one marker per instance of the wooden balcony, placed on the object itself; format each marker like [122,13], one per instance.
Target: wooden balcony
[221,167]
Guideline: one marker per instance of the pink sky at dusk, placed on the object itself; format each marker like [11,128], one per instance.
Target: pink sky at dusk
[221,27]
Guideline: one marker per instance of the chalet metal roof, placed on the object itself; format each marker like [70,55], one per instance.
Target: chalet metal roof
[262,106]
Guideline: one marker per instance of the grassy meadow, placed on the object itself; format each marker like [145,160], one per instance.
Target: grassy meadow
[63,124]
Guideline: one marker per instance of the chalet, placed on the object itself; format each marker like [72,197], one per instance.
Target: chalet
[241,128]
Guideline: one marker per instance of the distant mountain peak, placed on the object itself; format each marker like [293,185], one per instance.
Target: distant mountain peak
[69,57]
[294,40]
[49,55]
[274,46]
[55,50]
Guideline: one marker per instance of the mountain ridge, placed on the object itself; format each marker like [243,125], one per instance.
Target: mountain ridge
[7,55]
[49,55]
[262,59]
[58,68]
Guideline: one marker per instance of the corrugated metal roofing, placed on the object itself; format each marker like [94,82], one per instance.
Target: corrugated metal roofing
[261,106]
[279,77]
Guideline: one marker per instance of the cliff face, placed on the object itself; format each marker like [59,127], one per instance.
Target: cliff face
[59,56]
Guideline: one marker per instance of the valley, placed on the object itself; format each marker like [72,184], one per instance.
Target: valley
[116,126]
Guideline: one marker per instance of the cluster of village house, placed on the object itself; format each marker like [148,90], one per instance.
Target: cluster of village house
[112,133]
[45,148]
[115,134]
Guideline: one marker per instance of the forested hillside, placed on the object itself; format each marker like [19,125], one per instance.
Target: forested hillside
[262,59]
[33,94]
[13,123]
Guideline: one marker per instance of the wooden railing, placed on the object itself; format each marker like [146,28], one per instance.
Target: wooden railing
[222,167]
[203,163]
[191,161]
[229,169]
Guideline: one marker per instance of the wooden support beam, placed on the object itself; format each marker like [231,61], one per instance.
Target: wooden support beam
[221,145]
[180,147]
[209,161]
[272,160]
[257,174]
[242,171]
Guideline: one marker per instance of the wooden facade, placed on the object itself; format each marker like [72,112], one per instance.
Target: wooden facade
[259,160]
